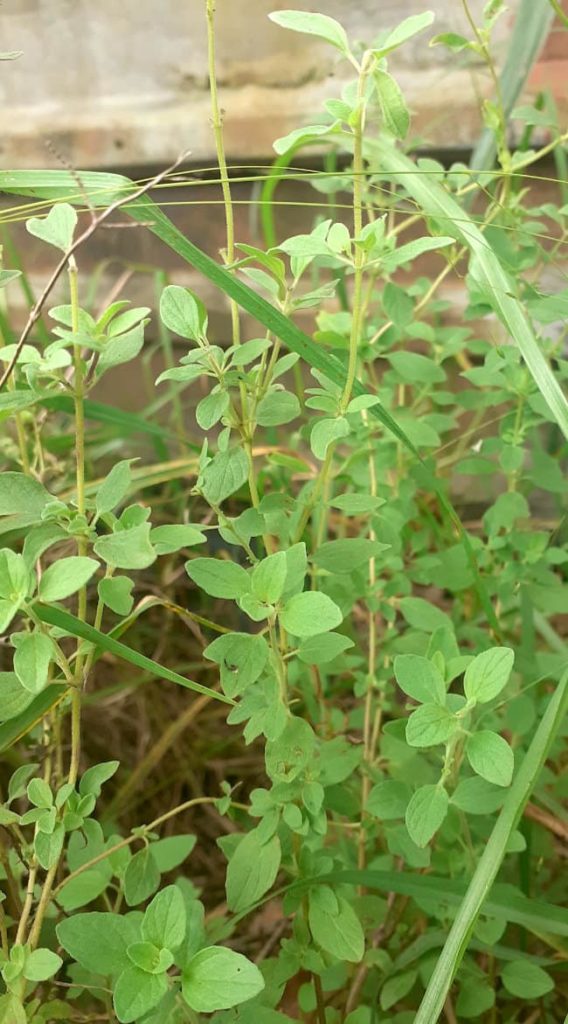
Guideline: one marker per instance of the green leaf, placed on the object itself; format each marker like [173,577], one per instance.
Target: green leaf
[252,870]
[218,978]
[114,488]
[335,926]
[423,615]
[171,851]
[491,859]
[168,539]
[269,577]
[323,647]
[241,657]
[394,111]
[183,313]
[291,752]
[224,475]
[425,813]
[39,793]
[310,613]
[94,778]
[22,494]
[41,964]
[277,408]
[403,32]
[396,988]
[141,878]
[211,408]
[346,555]
[476,796]
[66,577]
[48,846]
[326,432]
[74,626]
[429,725]
[491,757]
[57,228]
[127,549]
[419,679]
[14,698]
[488,674]
[150,958]
[414,368]
[32,658]
[83,889]
[136,993]
[98,942]
[116,594]
[474,999]
[452,40]
[388,800]
[164,920]
[526,980]
[313,24]
[218,578]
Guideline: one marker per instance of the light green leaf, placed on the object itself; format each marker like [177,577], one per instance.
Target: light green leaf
[14,698]
[98,942]
[313,24]
[488,674]
[425,813]
[396,988]
[211,408]
[164,921]
[388,800]
[310,613]
[419,679]
[218,978]
[276,408]
[20,493]
[66,577]
[57,228]
[347,555]
[325,432]
[335,926]
[141,878]
[269,577]
[491,757]
[323,647]
[41,964]
[32,658]
[416,369]
[394,111]
[429,725]
[127,549]
[526,980]
[183,313]
[218,577]
[114,488]
[116,594]
[406,253]
[94,778]
[403,32]
[241,657]
[171,851]
[252,870]
[136,993]
[168,539]
[224,475]
[150,958]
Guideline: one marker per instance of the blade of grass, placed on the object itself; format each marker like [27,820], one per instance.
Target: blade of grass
[532,25]
[480,886]
[499,286]
[71,624]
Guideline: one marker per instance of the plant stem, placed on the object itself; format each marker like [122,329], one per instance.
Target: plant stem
[78,382]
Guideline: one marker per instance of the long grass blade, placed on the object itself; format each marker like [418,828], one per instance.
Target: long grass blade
[491,859]
[532,25]
[499,286]
[71,624]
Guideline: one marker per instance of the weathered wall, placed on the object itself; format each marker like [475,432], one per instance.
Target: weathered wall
[123,82]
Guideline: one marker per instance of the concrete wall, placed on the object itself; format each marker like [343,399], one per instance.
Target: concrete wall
[124,82]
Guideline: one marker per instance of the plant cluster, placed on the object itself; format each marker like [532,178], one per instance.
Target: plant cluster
[400,664]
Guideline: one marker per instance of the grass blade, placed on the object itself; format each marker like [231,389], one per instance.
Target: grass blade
[437,203]
[64,620]
[532,25]
[479,888]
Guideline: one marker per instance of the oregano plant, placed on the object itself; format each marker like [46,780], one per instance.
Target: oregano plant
[358,530]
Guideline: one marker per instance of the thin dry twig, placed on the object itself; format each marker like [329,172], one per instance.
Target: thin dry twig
[35,312]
